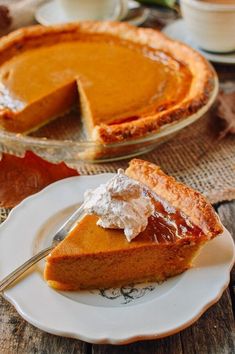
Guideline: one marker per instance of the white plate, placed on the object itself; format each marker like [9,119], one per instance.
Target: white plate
[109,316]
[178,31]
[51,13]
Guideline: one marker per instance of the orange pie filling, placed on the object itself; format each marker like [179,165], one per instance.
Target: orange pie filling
[181,220]
[116,81]
[93,257]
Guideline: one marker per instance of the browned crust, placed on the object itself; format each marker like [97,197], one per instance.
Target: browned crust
[199,94]
[180,196]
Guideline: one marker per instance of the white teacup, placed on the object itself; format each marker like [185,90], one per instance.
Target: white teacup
[79,10]
[210,23]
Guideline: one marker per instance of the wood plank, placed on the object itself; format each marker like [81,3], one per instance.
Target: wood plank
[227,214]
[18,336]
[170,345]
[214,332]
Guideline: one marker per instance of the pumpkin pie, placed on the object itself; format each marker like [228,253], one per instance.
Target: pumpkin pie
[127,81]
[94,257]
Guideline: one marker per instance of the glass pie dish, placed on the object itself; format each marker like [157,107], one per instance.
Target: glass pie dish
[63,140]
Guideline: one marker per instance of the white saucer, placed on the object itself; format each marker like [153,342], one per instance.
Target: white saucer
[114,316]
[177,30]
[51,13]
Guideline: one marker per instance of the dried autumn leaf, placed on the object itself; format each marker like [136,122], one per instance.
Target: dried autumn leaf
[21,177]
[5,19]
[226,111]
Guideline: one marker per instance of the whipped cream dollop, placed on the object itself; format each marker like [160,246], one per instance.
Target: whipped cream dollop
[120,204]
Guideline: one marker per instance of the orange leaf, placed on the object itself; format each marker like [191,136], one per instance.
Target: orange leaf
[21,177]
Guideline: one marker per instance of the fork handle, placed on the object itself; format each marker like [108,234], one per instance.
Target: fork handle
[10,278]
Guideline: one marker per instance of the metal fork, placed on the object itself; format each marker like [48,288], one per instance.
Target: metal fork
[58,237]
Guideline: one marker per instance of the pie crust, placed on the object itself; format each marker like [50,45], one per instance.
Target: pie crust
[202,76]
[93,257]
[177,194]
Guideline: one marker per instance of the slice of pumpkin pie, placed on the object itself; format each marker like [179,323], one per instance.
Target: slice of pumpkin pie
[140,226]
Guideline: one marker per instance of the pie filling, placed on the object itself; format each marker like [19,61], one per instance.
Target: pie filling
[168,224]
[94,257]
[180,223]
[165,226]
[120,81]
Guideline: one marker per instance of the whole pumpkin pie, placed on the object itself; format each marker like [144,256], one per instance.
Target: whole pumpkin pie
[95,257]
[126,81]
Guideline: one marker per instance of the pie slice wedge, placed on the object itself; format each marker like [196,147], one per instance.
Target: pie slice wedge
[94,257]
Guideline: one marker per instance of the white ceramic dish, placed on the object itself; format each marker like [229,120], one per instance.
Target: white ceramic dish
[212,25]
[83,10]
[178,31]
[103,316]
[51,13]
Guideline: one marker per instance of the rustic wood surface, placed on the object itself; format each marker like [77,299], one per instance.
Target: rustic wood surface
[213,333]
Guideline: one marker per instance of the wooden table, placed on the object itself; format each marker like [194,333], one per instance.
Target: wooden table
[213,333]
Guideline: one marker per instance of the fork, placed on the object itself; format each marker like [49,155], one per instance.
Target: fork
[61,233]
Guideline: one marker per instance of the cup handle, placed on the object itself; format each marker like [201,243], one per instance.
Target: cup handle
[123,9]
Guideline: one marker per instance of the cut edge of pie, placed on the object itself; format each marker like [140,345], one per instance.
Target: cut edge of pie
[203,75]
[77,263]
